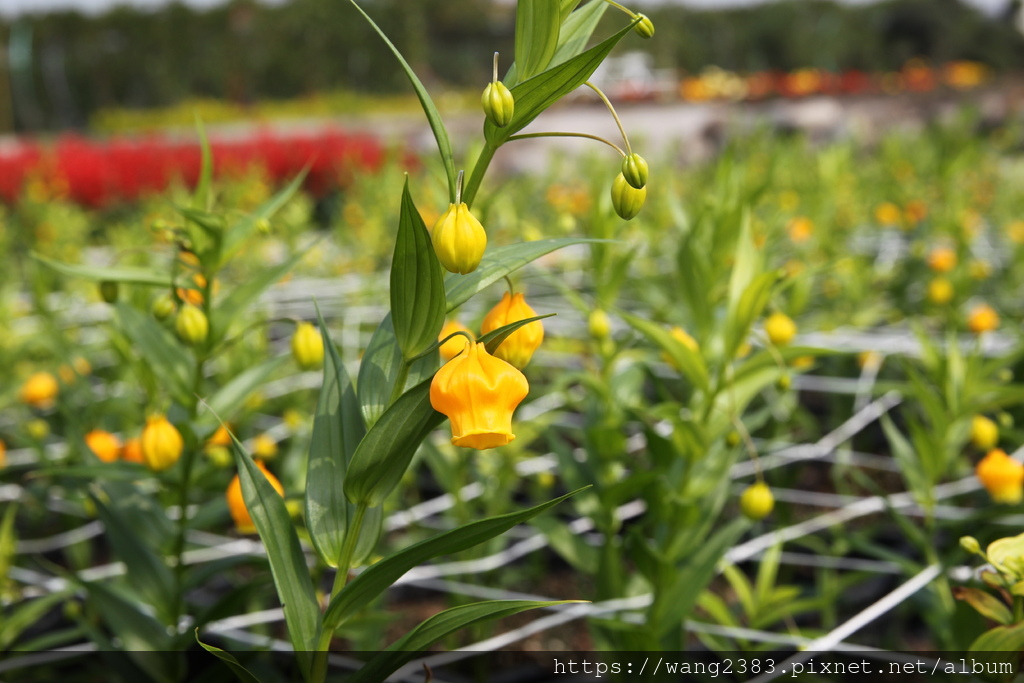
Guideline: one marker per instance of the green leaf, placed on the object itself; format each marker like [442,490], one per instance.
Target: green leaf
[123,274]
[406,648]
[379,369]
[168,360]
[444,145]
[749,307]
[536,94]
[202,199]
[985,604]
[417,286]
[238,232]
[387,449]
[537,28]
[26,615]
[379,576]
[139,633]
[146,572]
[337,430]
[499,262]
[240,671]
[689,362]
[1000,639]
[493,339]
[287,561]
[233,395]
[576,31]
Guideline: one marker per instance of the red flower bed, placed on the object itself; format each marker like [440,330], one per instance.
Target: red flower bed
[97,173]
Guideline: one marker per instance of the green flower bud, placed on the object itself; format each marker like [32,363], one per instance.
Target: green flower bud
[645,28]
[192,325]
[785,382]
[626,199]
[757,501]
[599,324]
[498,103]
[634,170]
[732,439]
[163,306]
[109,291]
[970,544]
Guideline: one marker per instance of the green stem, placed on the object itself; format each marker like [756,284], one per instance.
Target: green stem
[340,579]
[476,177]
[607,103]
[525,136]
[403,375]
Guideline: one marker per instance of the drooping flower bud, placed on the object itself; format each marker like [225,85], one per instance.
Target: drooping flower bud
[161,443]
[970,544]
[626,199]
[599,324]
[634,170]
[780,328]
[459,239]
[498,103]
[109,291]
[519,346]
[307,347]
[192,325]
[757,501]
[236,502]
[478,393]
[645,27]
[984,433]
[106,446]
[1002,477]
[453,346]
[163,306]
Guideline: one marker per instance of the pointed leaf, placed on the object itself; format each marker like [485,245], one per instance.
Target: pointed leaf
[201,197]
[232,396]
[236,667]
[689,362]
[537,28]
[125,274]
[287,561]
[985,604]
[417,287]
[161,351]
[493,339]
[238,232]
[379,367]
[1009,639]
[378,577]
[26,615]
[138,631]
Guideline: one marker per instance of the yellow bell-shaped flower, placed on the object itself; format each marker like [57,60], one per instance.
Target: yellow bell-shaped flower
[236,502]
[453,346]
[459,239]
[161,443]
[478,393]
[519,346]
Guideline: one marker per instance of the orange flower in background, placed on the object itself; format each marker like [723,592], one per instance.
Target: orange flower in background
[982,318]
[942,259]
[915,211]
[518,348]
[453,346]
[3,454]
[236,502]
[40,390]
[105,445]
[1002,477]
[888,213]
[478,393]
[161,443]
[800,229]
[132,451]
[221,437]
[69,373]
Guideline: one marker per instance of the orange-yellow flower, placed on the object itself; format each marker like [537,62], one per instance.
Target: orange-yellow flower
[105,445]
[800,229]
[942,259]
[888,213]
[453,346]
[1002,477]
[518,348]
[161,443]
[221,437]
[478,393]
[982,318]
[3,454]
[236,503]
[40,390]
[132,451]
[940,291]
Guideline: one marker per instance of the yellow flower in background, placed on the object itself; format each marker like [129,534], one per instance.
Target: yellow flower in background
[780,328]
[888,213]
[518,347]
[307,347]
[1015,231]
[221,438]
[105,445]
[940,291]
[984,433]
[478,393]
[982,318]
[3,454]
[1002,477]
[40,390]
[453,346]
[69,373]
[459,239]
[942,259]
[264,446]
[236,502]
[800,229]
[161,443]
[757,501]
[684,338]
[599,324]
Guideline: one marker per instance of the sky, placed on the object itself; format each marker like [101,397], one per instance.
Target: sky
[12,8]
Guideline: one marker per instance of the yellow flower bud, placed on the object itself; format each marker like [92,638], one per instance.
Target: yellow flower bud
[780,328]
[163,306]
[599,324]
[498,104]
[453,346]
[1002,477]
[478,393]
[519,346]
[105,445]
[307,347]
[459,239]
[732,439]
[940,291]
[645,27]
[784,382]
[982,318]
[161,443]
[40,390]
[109,291]
[236,502]
[263,446]
[38,429]
[192,325]
[626,199]
[757,501]
[634,170]
[984,433]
